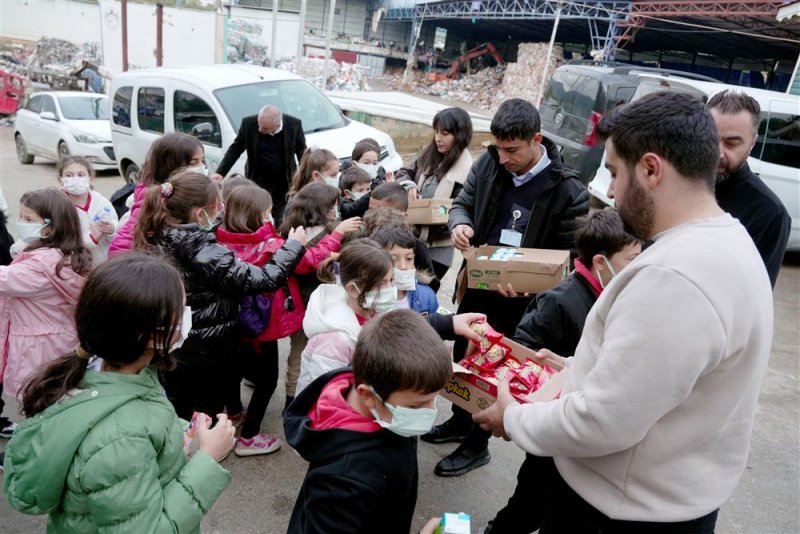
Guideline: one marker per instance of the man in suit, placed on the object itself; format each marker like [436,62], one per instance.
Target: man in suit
[274,142]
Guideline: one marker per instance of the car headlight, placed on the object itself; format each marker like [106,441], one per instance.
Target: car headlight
[82,137]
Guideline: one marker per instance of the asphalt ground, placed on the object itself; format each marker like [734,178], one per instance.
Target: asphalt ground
[263,489]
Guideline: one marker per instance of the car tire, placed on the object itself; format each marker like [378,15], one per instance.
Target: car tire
[63,151]
[25,157]
[131,174]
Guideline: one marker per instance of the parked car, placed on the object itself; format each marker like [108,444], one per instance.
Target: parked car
[775,156]
[210,102]
[577,97]
[55,124]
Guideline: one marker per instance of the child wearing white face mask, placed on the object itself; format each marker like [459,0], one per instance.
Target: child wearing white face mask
[355,187]
[97,215]
[411,293]
[38,291]
[359,287]
[357,428]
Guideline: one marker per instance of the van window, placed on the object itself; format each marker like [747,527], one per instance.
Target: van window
[585,98]
[295,97]
[121,106]
[780,135]
[193,116]
[35,104]
[150,109]
[560,85]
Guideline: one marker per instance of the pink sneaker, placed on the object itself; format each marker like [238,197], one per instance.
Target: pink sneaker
[258,444]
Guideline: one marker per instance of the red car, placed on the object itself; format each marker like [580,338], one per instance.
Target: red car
[12,89]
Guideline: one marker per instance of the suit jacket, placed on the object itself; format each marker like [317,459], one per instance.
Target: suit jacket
[248,139]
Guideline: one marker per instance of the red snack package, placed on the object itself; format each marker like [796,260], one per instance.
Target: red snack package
[490,335]
[533,375]
[487,361]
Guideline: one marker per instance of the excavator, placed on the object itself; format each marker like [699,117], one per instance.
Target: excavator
[466,57]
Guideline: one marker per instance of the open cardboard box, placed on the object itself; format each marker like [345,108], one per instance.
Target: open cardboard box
[531,270]
[475,393]
[429,210]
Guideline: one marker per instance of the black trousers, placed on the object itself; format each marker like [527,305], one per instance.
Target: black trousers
[503,314]
[197,388]
[259,365]
[524,510]
[568,512]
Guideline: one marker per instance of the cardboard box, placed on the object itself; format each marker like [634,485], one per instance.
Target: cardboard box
[475,393]
[429,210]
[531,270]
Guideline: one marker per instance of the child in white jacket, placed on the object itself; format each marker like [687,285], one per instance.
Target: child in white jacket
[97,216]
[336,311]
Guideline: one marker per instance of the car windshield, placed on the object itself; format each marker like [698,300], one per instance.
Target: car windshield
[84,108]
[295,97]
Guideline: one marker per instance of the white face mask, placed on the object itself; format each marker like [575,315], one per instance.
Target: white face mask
[200,169]
[358,195]
[405,279]
[406,422]
[186,327]
[31,231]
[332,180]
[371,168]
[380,300]
[271,220]
[610,269]
[76,185]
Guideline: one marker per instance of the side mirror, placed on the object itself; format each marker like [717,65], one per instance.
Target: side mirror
[203,130]
[48,116]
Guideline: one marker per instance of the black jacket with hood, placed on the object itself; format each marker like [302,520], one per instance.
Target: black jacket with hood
[215,283]
[552,222]
[554,319]
[356,481]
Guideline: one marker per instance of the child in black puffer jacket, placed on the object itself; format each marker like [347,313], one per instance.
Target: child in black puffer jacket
[177,220]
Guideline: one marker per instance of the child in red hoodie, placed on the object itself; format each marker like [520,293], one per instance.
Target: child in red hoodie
[249,232]
[357,428]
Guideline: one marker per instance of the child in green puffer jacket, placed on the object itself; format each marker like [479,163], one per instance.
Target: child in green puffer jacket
[103,450]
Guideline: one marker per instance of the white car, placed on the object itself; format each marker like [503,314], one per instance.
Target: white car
[775,157]
[55,124]
[210,102]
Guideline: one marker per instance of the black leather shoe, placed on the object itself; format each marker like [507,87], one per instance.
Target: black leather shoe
[447,432]
[461,461]
[488,529]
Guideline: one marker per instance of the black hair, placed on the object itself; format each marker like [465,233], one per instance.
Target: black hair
[457,122]
[353,175]
[393,193]
[391,236]
[515,119]
[676,126]
[601,232]
[730,102]
[152,310]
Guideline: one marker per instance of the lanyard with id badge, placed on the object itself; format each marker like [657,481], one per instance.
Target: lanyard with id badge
[512,237]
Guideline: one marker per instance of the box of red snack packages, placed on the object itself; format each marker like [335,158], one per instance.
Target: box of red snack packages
[473,385]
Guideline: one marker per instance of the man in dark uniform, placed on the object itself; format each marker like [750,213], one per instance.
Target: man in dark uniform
[274,142]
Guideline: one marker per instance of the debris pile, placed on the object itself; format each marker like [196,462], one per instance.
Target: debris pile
[341,76]
[489,87]
[246,44]
[523,78]
[55,56]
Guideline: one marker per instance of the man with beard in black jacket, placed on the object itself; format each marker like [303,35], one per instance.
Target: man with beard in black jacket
[519,194]
[739,190]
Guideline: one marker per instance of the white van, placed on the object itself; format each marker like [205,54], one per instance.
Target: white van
[210,102]
[775,156]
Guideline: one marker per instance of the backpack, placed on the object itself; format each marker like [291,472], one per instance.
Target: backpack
[120,196]
[254,313]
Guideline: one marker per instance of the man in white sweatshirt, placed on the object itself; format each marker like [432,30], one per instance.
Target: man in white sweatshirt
[652,429]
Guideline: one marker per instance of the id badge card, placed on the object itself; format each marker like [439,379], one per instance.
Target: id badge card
[511,238]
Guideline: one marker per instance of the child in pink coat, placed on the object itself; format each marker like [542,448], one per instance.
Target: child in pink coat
[249,232]
[40,288]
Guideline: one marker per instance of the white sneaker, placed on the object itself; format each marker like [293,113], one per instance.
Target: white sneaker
[7,428]
[258,444]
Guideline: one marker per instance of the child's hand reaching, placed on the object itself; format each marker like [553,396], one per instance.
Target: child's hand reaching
[217,442]
[347,226]
[298,234]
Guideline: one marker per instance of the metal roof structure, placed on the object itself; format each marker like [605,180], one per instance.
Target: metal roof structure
[744,30]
